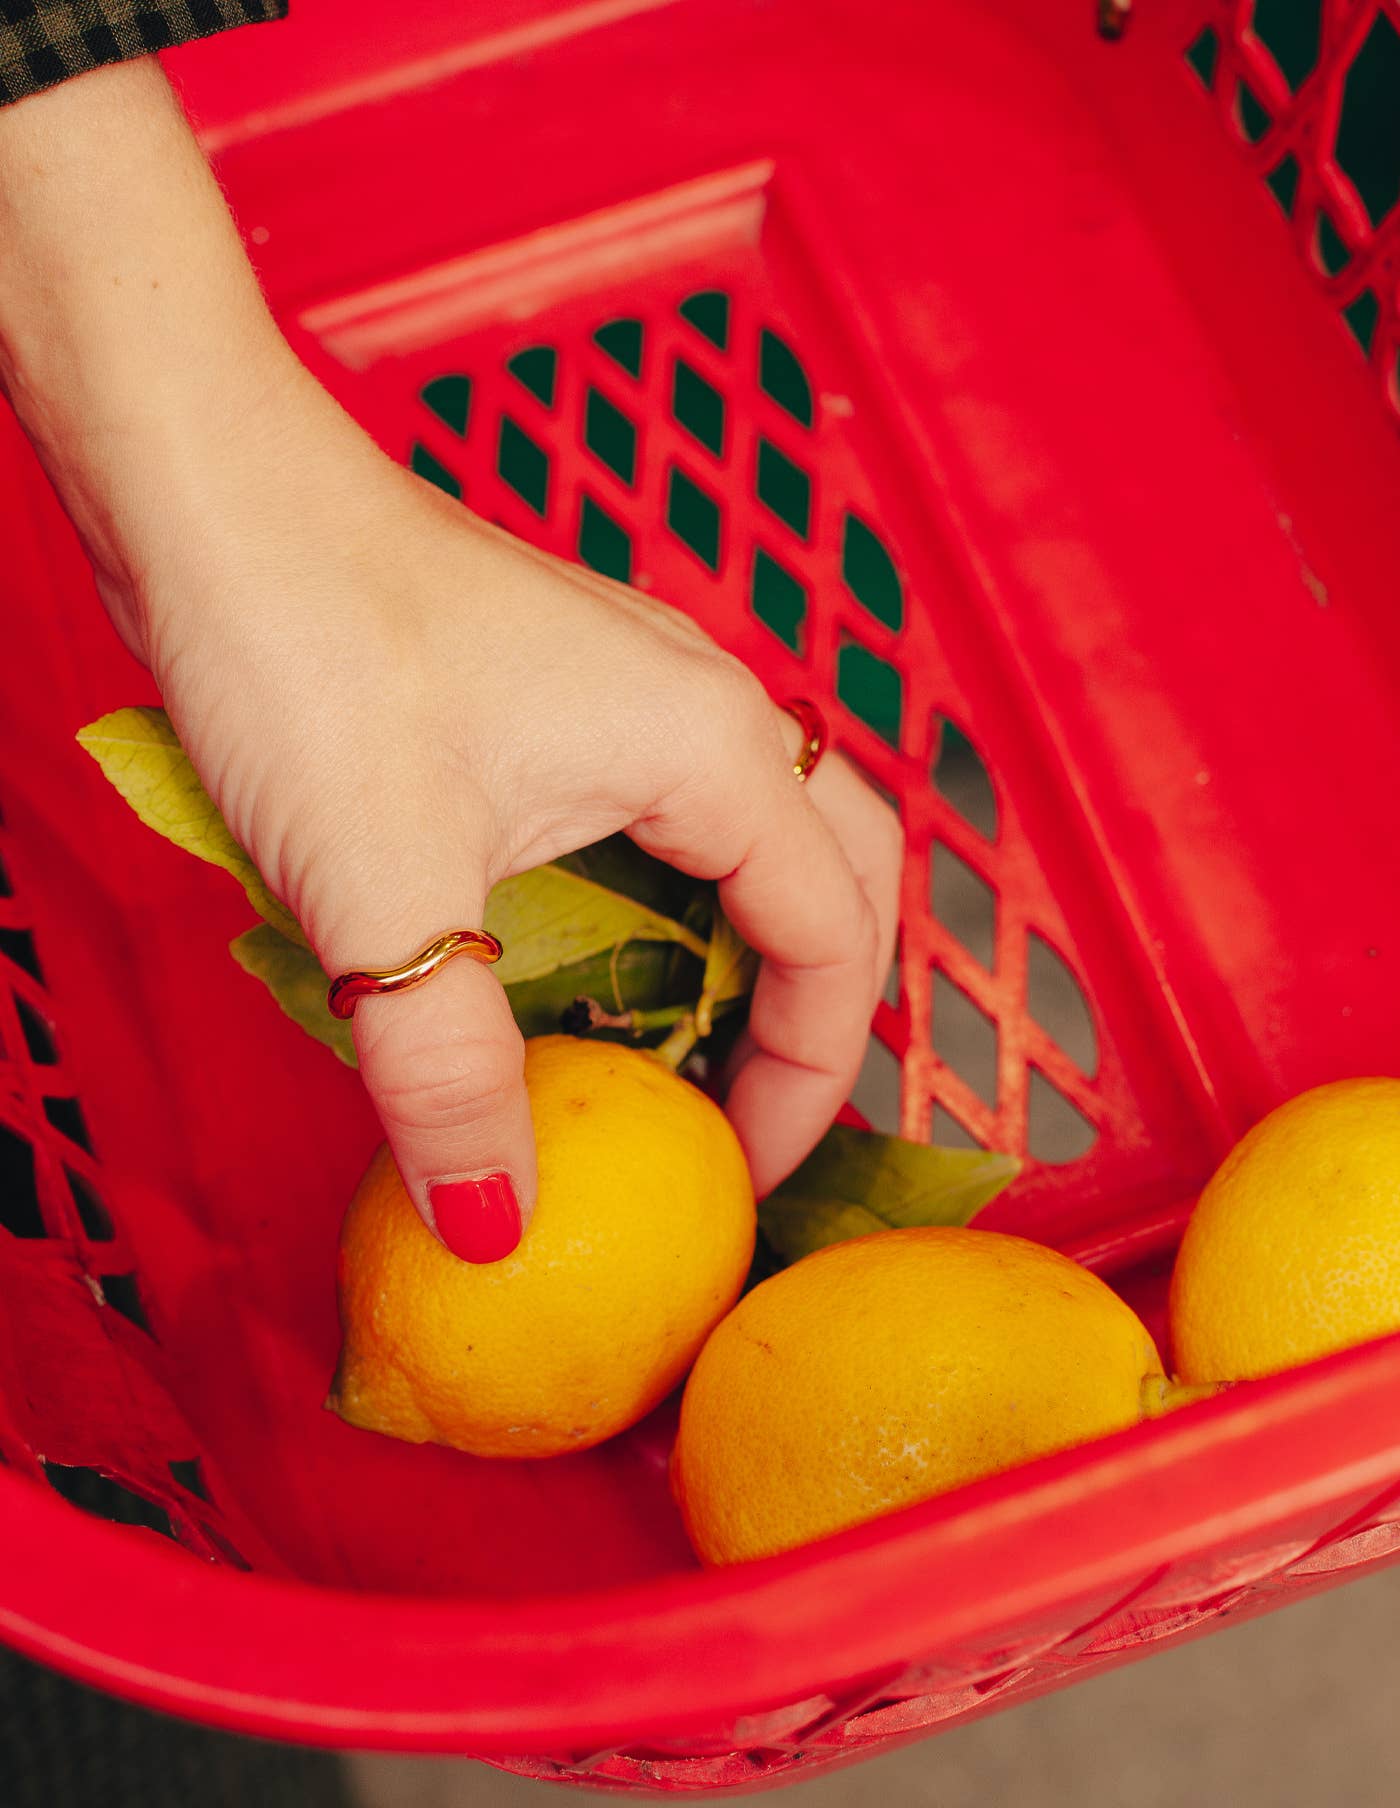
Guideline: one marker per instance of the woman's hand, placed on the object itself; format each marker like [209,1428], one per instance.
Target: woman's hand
[395,705]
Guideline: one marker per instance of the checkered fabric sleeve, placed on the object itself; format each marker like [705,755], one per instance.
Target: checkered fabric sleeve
[43,42]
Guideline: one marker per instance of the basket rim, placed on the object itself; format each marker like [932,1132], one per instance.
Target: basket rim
[321,1665]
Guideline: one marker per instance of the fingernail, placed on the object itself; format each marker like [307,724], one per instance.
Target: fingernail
[478,1220]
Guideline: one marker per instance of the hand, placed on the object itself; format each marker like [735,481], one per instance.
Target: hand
[424,706]
[396,706]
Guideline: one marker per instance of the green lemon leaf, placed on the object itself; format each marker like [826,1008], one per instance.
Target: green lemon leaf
[637,977]
[621,865]
[550,918]
[731,967]
[855,1182]
[140,754]
[297,980]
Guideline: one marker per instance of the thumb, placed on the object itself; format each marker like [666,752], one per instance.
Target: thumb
[444,1065]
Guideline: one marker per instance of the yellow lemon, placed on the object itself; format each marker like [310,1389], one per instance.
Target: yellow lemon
[1294,1248]
[641,1239]
[883,1370]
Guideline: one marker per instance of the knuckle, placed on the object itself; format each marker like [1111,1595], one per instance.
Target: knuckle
[753,708]
[732,696]
[705,717]
[666,616]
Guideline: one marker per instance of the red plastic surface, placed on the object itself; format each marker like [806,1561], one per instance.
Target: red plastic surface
[1090,467]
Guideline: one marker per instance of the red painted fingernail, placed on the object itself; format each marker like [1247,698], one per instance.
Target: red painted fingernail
[478,1220]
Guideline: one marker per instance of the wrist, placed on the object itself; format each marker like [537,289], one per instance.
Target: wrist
[135,344]
[140,448]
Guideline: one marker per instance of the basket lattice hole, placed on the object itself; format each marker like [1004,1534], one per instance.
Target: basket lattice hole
[423,464]
[949,1132]
[698,407]
[1203,54]
[234,1558]
[782,378]
[871,688]
[1057,1131]
[1329,247]
[693,517]
[19,1190]
[708,312]
[450,399]
[1291,32]
[1251,115]
[66,1115]
[123,1295]
[1362,316]
[1056,1001]
[869,572]
[1368,129]
[92,1213]
[38,1033]
[783,488]
[523,465]
[536,369]
[875,1094]
[1283,180]
[779,600]
[961,778]
[624,341]
[610,436]
[965,1038]
[17,945]
[964,903]
[190,1476]
[99,1495]
[6,890]
[891,988]
[603,543]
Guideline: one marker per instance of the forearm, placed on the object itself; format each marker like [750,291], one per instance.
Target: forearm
[135,344]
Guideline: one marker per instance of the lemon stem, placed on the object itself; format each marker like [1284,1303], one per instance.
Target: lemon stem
[678,1045]
[587,1014]
[1162,1394]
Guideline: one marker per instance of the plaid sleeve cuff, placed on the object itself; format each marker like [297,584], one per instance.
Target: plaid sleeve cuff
[43,42]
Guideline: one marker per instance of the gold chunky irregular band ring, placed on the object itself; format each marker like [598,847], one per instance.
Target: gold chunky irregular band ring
[813,725]
[349,988]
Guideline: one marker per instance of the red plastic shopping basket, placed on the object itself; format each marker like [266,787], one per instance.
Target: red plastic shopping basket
[1032,400]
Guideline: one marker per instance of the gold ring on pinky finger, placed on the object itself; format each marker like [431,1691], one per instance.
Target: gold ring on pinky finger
[347,989]
[813,725]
